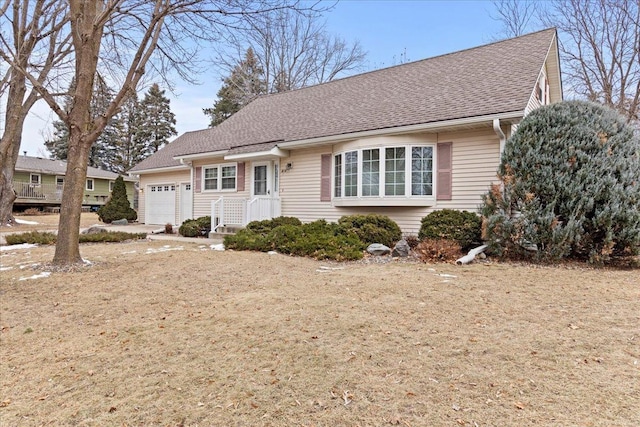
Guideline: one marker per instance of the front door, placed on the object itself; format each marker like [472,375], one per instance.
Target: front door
[264,191]
[265,179]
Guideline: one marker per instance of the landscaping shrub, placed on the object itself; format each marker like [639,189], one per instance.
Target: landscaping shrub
[267,225]
[247,240]
[372,228]
[461,226]
[48,238]
[438,250]
[195,227]
[319,239]
[570,174]
[32,237]
[189,228]
[32,212]
[117,207]
[168,228]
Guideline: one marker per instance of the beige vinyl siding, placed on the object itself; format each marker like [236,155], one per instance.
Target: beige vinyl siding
[168,177]
[202,200]
[475,161]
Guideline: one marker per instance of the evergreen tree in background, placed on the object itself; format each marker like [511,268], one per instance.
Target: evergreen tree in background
[157,122]
[238,89]
[103,150]
[570,186]
[130,150]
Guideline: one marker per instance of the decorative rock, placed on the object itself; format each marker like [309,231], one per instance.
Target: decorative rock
[94,230]
[122,221]
[378,249]
[401,249]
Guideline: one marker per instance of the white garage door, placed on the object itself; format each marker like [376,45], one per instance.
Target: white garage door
[161,204]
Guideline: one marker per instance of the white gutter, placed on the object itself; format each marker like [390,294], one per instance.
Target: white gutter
[498,130]
[402,129]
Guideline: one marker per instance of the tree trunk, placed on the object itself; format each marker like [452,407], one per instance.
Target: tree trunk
[10,145]
[87,34]
[67,244]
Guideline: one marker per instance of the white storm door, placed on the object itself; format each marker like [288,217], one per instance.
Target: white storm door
[261,185]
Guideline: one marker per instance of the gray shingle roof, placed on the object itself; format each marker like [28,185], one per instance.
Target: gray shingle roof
[58,167]
[490,79]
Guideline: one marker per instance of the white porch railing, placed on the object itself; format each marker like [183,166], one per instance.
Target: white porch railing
[235,211]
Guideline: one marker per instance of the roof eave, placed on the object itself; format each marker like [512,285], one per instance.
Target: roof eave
[158,169]
[256,155]
[195,156]
[431,126]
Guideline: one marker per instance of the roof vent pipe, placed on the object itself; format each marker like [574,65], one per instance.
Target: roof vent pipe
[498,130]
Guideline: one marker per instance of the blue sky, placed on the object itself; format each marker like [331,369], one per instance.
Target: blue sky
[387,30]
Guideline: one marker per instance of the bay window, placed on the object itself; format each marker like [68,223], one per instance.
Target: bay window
[398,173]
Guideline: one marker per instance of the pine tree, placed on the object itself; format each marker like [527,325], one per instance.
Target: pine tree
[129,150]
[157,123]
[570,186]
[102,152]
[245,83]
[118,206]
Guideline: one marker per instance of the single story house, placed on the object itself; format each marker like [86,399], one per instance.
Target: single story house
[401,141]
[38,182]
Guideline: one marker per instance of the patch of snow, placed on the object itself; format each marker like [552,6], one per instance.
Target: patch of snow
[24,221]
[6,268]
[324,267]
[164,249]
[21,246]
[272,253]
[22,267]
[128,252]
[86,262]
[37,276]
[446,275]
[218,247]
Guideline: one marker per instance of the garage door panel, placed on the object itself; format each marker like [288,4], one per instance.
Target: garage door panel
[161,204]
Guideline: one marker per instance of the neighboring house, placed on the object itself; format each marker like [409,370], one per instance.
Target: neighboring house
[402,141]
[39,182]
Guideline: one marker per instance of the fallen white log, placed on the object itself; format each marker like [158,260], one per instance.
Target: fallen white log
[471,255]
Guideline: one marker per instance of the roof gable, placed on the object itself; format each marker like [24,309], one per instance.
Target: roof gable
[491,79]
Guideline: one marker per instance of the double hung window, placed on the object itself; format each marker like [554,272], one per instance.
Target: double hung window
[220,177]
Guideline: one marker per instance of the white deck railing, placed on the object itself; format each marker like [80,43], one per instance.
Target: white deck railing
[235,211]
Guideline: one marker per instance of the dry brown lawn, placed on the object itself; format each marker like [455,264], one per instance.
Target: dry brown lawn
[175,334]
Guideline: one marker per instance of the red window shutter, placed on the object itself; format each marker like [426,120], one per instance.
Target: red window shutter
[240,176]
[198,179]
[443,190]
[325,178]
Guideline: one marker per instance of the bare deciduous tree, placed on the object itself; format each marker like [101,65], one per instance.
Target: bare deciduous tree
[293,49]
[600,46]
[517,16]
[125,39]
[32,38]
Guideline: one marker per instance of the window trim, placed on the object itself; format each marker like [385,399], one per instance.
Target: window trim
[407,199]
[35,184]
[111,185]
[219,177]
[93,184]
[58,185]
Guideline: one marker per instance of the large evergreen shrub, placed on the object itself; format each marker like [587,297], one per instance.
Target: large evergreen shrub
[118,206]
[571,178]
[462,227]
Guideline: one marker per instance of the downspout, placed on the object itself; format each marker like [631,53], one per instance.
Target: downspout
[498,130]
